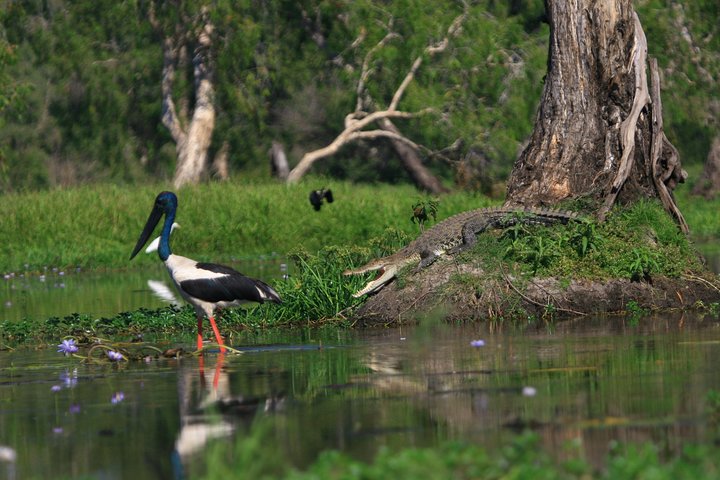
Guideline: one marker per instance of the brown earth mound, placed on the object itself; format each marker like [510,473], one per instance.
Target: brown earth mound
[467,293]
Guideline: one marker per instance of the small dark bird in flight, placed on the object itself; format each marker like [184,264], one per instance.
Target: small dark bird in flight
[317,196]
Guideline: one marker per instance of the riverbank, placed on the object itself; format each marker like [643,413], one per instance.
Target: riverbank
[636,261]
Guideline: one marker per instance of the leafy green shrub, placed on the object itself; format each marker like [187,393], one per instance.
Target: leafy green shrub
[636,243]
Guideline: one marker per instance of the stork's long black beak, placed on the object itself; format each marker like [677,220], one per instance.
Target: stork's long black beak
[152,221]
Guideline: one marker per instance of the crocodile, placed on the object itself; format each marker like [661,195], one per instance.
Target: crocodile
[451,236]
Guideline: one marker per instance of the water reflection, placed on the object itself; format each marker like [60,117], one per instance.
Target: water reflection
[592,381]
[199,418]
[164,292]
[210,411]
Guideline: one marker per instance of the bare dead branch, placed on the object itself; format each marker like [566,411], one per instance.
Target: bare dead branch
[430,50]
[359,119]
[353,131]
[366,71]
[372,134]
[661,174]
[628,127]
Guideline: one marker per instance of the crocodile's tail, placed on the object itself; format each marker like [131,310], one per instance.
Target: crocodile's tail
[505,217]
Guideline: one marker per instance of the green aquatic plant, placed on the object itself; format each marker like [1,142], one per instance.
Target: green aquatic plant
[522,456]
[423,210]
[643,263]
[635,312]
[583,236]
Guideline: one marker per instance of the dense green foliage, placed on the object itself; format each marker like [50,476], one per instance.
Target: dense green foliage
[521,458]
[91,70]
[635,243]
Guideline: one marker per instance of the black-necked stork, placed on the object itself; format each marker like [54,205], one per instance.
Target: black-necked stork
[156,241]
[207,286]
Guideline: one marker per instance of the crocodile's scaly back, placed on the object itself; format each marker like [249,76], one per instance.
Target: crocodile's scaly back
[451,232]
[454,234]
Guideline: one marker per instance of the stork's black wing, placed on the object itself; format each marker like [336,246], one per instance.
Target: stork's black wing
[231,286]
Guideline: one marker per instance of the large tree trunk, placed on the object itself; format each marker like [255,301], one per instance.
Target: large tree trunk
[596,134]
[709,183]
[192,135]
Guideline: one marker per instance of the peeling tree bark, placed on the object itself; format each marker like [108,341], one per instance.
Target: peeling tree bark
[596,125]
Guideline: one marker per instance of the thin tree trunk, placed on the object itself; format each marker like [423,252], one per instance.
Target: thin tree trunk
[709,183]
[192,136]
[594,129]
[278,161]
[220,162]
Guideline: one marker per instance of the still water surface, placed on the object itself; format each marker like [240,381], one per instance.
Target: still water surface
[594,380]
[58,293]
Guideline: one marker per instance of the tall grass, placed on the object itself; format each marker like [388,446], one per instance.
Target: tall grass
[97,226]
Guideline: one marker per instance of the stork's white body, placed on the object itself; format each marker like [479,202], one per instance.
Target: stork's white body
[208,286]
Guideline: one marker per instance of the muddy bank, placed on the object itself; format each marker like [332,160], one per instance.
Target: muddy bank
[466,292]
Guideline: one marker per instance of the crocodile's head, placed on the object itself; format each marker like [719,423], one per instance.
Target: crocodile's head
[385,274]
[386,267]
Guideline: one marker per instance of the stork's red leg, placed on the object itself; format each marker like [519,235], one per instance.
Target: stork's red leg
[218,368]
[201,365]
[199,339]
[217,334]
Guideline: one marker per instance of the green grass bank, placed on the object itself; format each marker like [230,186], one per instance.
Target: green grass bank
[96,227]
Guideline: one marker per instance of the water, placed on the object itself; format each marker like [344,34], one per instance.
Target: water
[595,380]
[58,293]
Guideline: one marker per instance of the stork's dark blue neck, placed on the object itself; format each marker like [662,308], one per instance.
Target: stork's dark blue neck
[164,248]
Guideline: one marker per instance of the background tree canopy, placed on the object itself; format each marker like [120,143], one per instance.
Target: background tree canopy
[81,95]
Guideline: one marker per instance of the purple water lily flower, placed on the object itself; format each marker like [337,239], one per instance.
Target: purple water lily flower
[117,397]
[55,388]
[115,356]
[67,347]
[477,343]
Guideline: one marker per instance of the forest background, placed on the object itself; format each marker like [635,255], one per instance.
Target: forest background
[81,95]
